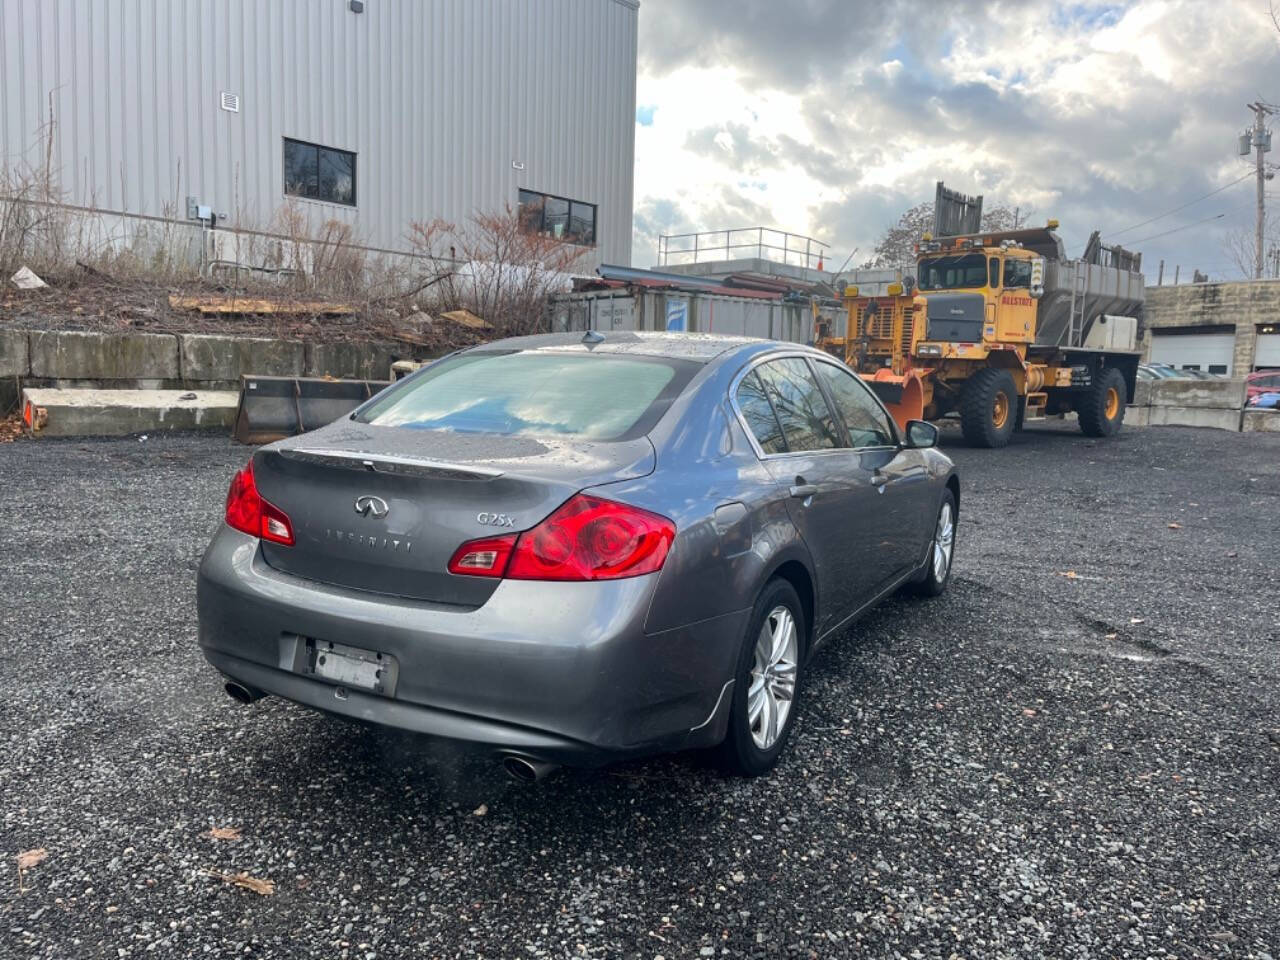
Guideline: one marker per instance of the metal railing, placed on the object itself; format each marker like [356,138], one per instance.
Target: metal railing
[760,243]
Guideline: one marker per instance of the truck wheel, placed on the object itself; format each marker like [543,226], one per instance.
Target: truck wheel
[1101,408]
[988,408]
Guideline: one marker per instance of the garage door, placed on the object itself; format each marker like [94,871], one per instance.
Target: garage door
[1268,354]
[1193,351]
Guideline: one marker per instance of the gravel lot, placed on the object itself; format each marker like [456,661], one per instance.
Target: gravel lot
[1074,753]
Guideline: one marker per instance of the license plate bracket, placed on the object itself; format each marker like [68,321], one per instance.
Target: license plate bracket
[354,668]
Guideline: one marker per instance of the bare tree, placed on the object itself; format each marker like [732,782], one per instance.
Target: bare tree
[896,247]
[1241,246]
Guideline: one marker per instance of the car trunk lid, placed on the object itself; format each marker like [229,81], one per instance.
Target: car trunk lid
[383,509]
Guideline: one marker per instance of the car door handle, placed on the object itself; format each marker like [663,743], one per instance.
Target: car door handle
[803,490]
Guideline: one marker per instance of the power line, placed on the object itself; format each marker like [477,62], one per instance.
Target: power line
[1216,216]
[1112,236]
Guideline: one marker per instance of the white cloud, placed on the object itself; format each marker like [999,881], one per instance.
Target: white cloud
[829,117]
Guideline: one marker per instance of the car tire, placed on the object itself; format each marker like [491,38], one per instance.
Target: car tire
[742,753]
[988,407]
[943,545]
[1101,407]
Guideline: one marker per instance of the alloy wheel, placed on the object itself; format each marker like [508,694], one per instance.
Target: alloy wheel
[943,540]
[773,677]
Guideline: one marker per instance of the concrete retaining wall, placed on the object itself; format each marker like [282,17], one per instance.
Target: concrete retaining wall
[205,357]
[15,362]
[1171,416]
[1187,403]
[118,413]
[96,356]
[152,361]
[1260,421]
[1212,394]
[353,360]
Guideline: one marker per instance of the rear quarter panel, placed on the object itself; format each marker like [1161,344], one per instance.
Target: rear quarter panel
[733,528]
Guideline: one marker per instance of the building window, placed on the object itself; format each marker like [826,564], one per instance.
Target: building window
[319,173]
[557,217]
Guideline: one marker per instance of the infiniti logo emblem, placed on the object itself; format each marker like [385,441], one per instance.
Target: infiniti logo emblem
[368,506]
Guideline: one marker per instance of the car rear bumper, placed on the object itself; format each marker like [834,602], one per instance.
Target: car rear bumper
[560,671]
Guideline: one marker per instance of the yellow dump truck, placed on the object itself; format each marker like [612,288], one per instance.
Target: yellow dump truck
[1000,327]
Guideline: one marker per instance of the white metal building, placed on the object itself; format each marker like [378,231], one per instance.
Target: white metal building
[376,113]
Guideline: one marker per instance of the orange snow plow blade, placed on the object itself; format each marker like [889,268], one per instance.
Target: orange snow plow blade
[903,395]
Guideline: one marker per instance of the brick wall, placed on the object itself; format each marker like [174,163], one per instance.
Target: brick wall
[1242,305]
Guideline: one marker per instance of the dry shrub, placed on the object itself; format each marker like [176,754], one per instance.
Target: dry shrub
[338,260]
[492,267]
[34,229]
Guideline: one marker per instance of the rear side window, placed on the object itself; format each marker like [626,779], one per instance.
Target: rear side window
[758,412]
[590,397]
[807,423]
[865,421]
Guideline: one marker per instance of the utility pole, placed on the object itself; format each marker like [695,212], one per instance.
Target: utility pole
[1261,143]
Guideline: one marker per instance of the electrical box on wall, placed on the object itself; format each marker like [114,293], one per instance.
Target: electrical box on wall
[357,6]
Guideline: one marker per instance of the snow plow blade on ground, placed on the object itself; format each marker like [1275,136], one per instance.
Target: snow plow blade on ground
[272,408]
[903,395]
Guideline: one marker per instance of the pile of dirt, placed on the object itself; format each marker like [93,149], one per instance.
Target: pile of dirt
[92,301]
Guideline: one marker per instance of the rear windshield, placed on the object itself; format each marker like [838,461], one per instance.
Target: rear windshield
[591,397]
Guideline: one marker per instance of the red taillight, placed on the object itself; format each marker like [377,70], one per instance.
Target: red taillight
[249,513]
[587,538]
[592,539]
[483,558]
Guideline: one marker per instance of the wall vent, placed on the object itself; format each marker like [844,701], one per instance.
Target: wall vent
[229,102]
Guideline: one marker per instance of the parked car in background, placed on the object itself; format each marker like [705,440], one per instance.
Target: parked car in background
[1265,401]
[568,548]
[1157,371]
[1263,381]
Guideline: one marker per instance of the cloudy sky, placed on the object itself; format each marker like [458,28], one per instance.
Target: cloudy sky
[831,117]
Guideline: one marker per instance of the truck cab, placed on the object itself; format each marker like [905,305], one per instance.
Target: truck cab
[976,298]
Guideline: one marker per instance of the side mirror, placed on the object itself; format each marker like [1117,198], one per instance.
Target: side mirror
[921,434]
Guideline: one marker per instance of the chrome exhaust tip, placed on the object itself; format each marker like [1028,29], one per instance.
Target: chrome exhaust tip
[526,769]
[240,693]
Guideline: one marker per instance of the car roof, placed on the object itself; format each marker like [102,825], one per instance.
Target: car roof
[698,347]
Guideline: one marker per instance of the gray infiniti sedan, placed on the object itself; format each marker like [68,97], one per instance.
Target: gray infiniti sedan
[567,549]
